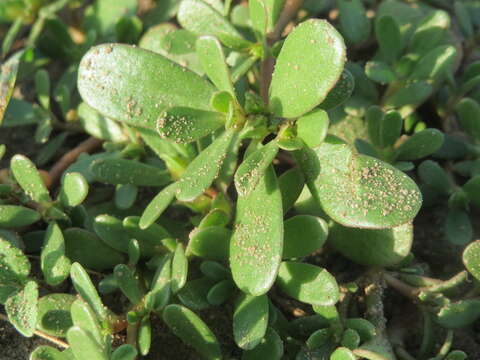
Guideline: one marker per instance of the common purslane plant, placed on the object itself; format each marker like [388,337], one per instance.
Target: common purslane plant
[258,160]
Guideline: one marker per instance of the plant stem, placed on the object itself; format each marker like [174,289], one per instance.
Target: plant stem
[41,334]
[70,157]
[404,289]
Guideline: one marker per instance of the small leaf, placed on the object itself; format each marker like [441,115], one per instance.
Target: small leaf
[464,19]
[303,235]
[159,294]
[54,314]
[125,196]
[47,353]
[42,87]
[308,283]
[389,38]
[84,345]
[157,206]
[435,63]
[74,189]
[364,328]
[84,286]
[430,32]
[210,243]
[467,110]
[111,231]
[192,330]
[123,171]
[250,320]
[419,145]
[152,240]
[458,227]
[220,292]
[472,190]
[380,72]
[258,17]
[86,248]
[179,269]
[15,268]
[257,243]
[372,247]
[22,310]
[146,84]
[313,74]
[8,76]
[184,125]
[342,353]
[144,336]
[98,125]
[433,175]
[29,179]
[194,293]
[202,19]
[291,184]
[318,338]
[253,168]
[471,258]
[391,128]
[85,318]
[212,58]
[409,97]
[459,314]
[55,265]
[312,128]
[341,92]
[354,23]
[203,170]
[214,270]
[124,352]
[128,283]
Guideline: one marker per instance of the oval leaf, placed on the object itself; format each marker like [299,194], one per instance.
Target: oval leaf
[250,320]
[303,235]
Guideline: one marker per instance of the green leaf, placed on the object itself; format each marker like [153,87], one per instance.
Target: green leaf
[123,171]
[179,269]
[372,247]
[250,320]
[111,231]
[212,58]
[303,235]
[157,206]
[146,84]
[84,345]
[28,177]
[14,269]
[194,293]
[430,32]
[409,97]
[214,270]
[308,283]
[364,328]
[99,126]
[103,15]
[389,38]
[85,318]
[354,23]
[152,240]
[74,189]
[435,63]
[464,18]
[192,330]
[42,87]
[86,248]
[203,170]
[341,92]
[458,227]
[12,216]
[253,168]
[124,352]
[459,314]
[220,292]
[144,336]
[380,72]
[8,76]
[311,75]
[271,347]
[185,125]
[159,294]
[357,190]
[54,314]
[419,145]
[471,258]
[433,175]
[342,353]
[202,19]
[22,310]
[291,184]
[128,283]
[472,190]
[47,353]
[210,243]
[257,243]
[55,265]
[125,196]
[312,128]
[467,110]
[258,17]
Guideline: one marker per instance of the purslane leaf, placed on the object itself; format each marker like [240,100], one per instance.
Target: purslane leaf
[55,265]
[22,309]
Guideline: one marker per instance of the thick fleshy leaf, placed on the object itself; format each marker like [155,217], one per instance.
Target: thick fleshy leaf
[357,190]
[253,168]
[257,243]
[55,265]
[143,84]
[471,259]
[258,17]
[212,58]
[194,293]
[54,314]
[201,18]
[99,126]
[124,352]
[458,228]
[312,128]
[221,292]
[271,347]
[250,320]
[47,353]
[433,175]
[430,32]
[157,206]
[299,83]
[179,269]
[409,97]
[341,92]
[29,178]
[86,248]
[84,317]
[468,110]
[144,338]
[343,353]
[128,283]
[74,189]
[111,231]
[103,15]
[192,330]
[354,23]
[389,37]
[435,63]
[86,289]
[210,243]
[8,76]
[419,145]
[459,314]
[125,196]
[123,171]
[84,345]
[364,328]
[152,240]
[159,294]
[308,283]
[378,247]
[303,235]
[291,184]
[21,309]
[380,72]
[203,170]
[14,265]
[185,125]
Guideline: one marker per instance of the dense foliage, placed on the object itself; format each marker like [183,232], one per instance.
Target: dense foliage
[259,161]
